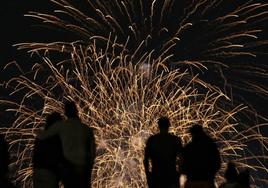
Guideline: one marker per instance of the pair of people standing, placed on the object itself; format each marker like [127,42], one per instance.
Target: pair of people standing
[64,151]
[199,160]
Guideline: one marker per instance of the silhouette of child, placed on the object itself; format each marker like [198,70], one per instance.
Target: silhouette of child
[231,176]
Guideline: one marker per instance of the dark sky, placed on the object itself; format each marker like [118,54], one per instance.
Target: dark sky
[16,28]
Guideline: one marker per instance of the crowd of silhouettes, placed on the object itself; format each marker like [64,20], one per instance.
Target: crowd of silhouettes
[165,160]
[64,154]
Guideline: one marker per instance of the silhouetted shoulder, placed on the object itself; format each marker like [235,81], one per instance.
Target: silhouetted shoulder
[153,137]
[169,137]
[176,138]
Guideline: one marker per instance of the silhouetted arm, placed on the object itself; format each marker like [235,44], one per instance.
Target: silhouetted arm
[52,131]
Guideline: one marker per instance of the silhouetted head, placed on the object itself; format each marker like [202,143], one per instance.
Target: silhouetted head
[52,118]
[163,124]
[231,173]
[70,109]
[197,131]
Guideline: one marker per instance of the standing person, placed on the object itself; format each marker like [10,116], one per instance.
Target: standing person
[244,179]
[231,177]
[4,162]
[162,150]
[47,155]
[79,148]
[200,160]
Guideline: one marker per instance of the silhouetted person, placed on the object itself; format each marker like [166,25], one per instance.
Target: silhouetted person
[4,162]
[200,160]
[162,150]
[47,157]
[244,179]
[79,147]
[231,176]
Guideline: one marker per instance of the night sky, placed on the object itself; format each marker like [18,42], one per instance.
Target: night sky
[16,28]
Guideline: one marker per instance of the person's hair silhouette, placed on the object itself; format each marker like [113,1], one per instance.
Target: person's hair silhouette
[201,159]
[162,150]
[52,118]
[70,109]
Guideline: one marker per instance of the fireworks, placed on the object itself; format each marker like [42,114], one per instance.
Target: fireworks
[125,100]
[133,61]
[224,36]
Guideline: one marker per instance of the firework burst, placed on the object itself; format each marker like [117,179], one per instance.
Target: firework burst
[132,61]
[125,99]
[226,37]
